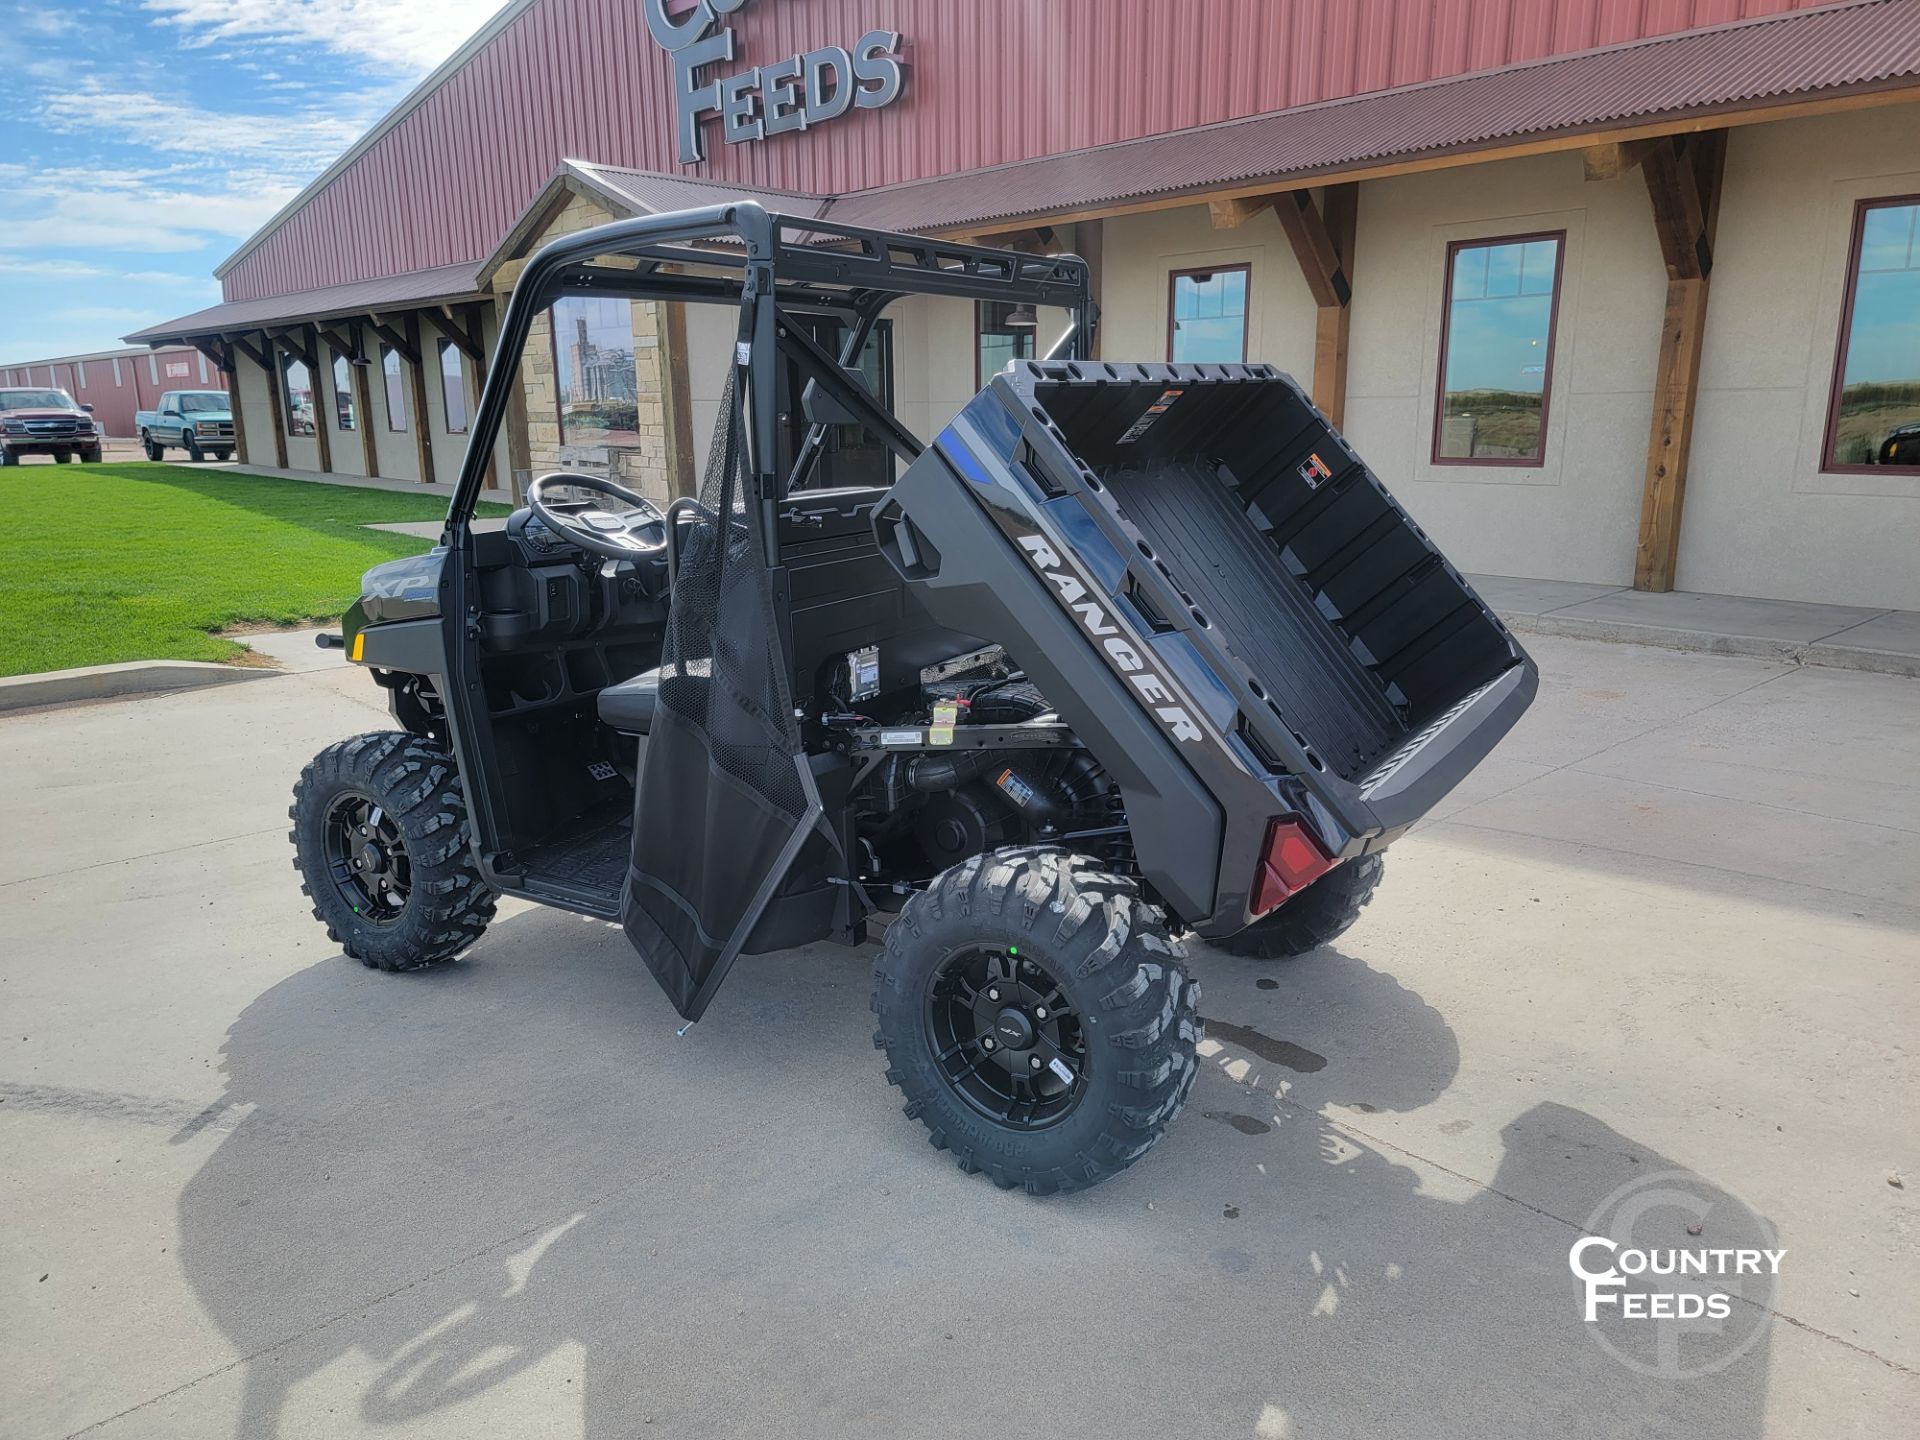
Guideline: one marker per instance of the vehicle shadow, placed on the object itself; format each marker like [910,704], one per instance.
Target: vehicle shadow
[439,1183]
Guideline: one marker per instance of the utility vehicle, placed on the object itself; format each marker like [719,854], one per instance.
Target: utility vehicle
[1129,652]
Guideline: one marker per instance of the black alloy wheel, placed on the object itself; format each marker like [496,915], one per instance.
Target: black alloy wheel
[367,858]
[1006,1038]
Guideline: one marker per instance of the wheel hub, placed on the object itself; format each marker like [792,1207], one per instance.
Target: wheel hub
[367,858]
[1006,1037]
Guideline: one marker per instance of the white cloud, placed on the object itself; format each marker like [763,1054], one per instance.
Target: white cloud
[306,140]
[392,34]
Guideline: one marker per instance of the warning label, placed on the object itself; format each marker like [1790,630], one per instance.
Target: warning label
[1153,412]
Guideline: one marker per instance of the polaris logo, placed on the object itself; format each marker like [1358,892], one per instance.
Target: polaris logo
[1101,628]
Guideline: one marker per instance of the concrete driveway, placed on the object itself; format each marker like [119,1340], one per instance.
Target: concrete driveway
[252,1189]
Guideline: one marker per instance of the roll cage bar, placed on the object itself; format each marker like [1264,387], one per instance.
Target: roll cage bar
[773,267]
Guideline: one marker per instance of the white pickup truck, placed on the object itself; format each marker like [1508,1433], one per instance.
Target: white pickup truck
[199,422]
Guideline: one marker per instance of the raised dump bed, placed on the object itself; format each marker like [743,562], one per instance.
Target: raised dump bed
[1304,568]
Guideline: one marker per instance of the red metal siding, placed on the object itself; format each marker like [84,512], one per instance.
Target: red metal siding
[992,81]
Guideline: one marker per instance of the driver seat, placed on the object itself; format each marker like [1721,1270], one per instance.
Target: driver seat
[629,706]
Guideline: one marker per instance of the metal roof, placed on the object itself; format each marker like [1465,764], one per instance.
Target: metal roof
[648,192]
[418,287]
[1754,63]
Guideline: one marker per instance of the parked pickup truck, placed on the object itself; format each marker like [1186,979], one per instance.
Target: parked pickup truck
[36,421]
[199,422]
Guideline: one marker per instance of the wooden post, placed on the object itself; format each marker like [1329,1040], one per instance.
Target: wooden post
[323,422]
[1322,241]
[268,359]
[1090,238]
[417,370]
[1683,178]
[676,400]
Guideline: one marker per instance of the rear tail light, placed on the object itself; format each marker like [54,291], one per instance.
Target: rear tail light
[1290,861]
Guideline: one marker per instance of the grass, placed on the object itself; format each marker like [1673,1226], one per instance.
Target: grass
[146,562]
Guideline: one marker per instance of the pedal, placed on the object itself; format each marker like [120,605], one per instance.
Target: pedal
[601,770]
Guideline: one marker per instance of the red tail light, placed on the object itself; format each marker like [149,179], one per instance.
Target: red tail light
[1291,860]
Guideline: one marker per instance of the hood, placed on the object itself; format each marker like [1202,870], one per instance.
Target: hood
[44,412]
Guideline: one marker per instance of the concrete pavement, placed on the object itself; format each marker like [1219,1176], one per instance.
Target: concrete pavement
[253,1189]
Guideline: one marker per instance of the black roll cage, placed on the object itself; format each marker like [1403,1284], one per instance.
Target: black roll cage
[773,267]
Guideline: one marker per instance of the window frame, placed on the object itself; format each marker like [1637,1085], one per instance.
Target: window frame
[346,403]
[1246,316]
[386,391]
[289,359]
[1454,247]
[1849,293]
[466,401]
[980,376]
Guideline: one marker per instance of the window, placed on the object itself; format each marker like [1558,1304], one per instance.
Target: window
[1207,315]
[1496,350]
[594,376]
[80,369]
[203,367]
[1874,416]
[343,408]
[296,384]
[453,387]
[1004,333]
[116,372]
[396,390]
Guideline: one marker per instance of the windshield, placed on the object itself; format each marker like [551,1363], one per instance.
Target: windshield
[196,402]
[34,400]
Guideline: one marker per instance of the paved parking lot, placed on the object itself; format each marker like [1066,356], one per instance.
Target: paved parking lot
[252,1189]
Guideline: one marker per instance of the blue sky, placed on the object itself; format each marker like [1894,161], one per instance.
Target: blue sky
[142,140]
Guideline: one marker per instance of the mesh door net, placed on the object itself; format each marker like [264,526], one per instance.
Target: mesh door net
[722,806]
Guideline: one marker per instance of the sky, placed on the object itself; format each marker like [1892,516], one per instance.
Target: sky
[141,141]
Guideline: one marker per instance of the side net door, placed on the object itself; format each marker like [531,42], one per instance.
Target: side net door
[725,803]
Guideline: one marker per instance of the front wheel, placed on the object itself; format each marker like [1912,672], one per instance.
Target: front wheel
[381,843]
[192,446]
[1038,1016]
[155,450]
[1318,915]
[90,457]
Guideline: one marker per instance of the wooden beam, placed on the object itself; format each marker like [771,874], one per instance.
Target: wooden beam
[1684,184]
[363,402]
[1313,247]
[1613,158]
[251,351]
[466,336]
[271,355]
[1090,238]
[325,417]
[676,401]
[422,438]
[409,352]
[1334,323]
[223,356]
[1233,211]
[1032,240]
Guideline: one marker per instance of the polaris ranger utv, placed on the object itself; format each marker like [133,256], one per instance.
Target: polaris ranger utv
[1129,652]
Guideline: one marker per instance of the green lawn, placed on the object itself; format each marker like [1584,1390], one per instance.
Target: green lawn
[145,562]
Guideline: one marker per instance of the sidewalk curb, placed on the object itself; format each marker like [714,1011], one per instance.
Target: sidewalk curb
[1794,652]
[126,680]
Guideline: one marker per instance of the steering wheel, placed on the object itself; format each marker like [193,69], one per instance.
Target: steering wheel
[602,532]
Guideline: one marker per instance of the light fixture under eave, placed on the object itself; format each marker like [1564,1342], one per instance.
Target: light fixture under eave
[1021,317]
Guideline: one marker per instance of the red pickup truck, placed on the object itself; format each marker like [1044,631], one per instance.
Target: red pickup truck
[46,422]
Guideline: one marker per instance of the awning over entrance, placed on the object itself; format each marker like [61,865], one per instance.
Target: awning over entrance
[450,284]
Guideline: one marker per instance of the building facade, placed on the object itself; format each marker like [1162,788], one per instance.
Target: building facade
[1619,291]
[118,383]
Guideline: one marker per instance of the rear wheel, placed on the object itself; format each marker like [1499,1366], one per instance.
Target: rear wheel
[222,455]
[62,457]
[1038,1017]
[1317,916]
[381,843]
